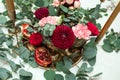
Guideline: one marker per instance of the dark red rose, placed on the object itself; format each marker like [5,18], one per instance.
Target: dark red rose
[93,28]
[41,12]
[63,37]
[42,57]
[35,39]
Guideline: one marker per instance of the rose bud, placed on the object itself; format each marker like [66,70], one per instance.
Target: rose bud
[71,7]
[69,1]
[77,4]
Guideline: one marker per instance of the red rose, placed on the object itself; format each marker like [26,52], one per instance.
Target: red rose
[35,39]
[41,12]
[93,28]
[63,37]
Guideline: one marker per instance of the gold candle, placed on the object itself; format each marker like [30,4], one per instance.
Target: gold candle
[108,23]
[11,9]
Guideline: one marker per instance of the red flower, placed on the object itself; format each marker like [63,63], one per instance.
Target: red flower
[93,28]
[35,39]
[41,13]
[63,37]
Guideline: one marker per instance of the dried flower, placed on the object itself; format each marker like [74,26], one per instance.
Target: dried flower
[93,28]
[63,37]
[41,12]
[35,39]
[81,31]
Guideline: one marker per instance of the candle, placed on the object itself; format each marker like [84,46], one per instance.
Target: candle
[108,23]
[11,9]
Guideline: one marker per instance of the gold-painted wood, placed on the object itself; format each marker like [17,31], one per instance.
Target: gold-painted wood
[108,23]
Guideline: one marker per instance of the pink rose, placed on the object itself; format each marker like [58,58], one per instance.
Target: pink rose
[50,20]
[81,31]
[57,3]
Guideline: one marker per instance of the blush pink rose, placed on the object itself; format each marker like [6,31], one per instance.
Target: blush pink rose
[57,3]
[81,31]
[50,20]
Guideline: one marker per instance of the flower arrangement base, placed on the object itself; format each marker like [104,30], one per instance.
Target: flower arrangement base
[48,55]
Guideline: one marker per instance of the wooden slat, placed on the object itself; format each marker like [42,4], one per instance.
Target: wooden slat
[108,23]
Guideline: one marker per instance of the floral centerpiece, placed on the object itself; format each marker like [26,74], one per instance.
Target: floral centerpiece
[55,34]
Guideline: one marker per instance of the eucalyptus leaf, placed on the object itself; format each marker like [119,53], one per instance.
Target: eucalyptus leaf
[39,3]
[60,66]
[32,62]
[14,66]
[49,75]
[107,47]
[90,52]
[117,44]
[3,19]
[92,61]
[59,77]
[82,78]
[5,74]
[25,75]
[98,74]
[64,9]
[52,11]
[3,56]
[70,77]
[46,3]
[15,79]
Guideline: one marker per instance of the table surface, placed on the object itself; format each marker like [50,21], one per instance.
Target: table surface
[108,63]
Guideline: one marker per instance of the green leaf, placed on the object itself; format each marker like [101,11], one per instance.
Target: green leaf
[52,11]
[14,66]
[90,52]
[49,75]
[82,78]
[39,3]
[46,3]
[3,56]
[117,44]
[66,19]
[83,67]
[70,77]
[90,69]
[92,61]
[67,62]
[15,79]
[107,47]
[9,43]
[5,74]
[32,62]
[60,66]
[24,75]
[3,19]
[59,77]
[64,9]
[2,38]
[96,75]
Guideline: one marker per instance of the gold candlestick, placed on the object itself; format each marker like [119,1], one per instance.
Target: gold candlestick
[108,23]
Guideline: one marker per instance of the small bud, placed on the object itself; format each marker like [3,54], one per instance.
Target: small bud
[69,1]
[71,7]
[77,4]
